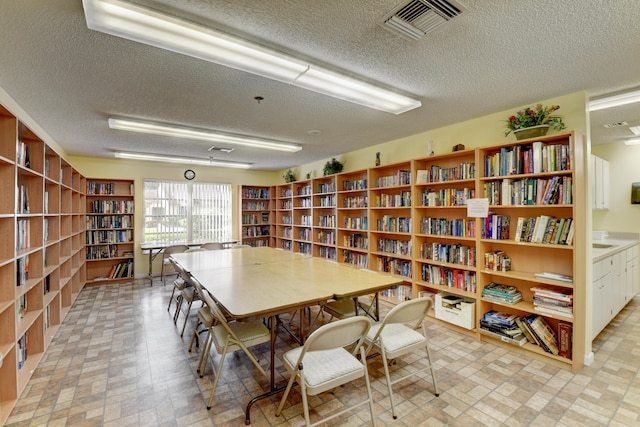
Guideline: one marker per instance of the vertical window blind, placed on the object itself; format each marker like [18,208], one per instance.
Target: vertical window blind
[176,211]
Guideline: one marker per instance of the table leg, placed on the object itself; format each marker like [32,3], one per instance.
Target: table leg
[272,381]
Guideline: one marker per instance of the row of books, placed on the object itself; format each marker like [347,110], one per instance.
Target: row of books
[458,227]
[326,187]
[394,200]
[255,193]
[356,240]
[359,184]
[22,270]
[451,277]
[250,219]
[122,269]
[327,221]
[304,191]
[361,223]
[402,177]
[108,236]
[328,201]
[21,306]
[112,206]
[393,224]
[355,258]
[453,253]
[399,267]
[22,201]
[530,191]
[101,188]
[21,346]
[23,234]
[355,202]
[496,227]
[503,294]
[545,229]
[447,196]
[255,231]
[466,170]
[255,206]
[326,237]
[397,247]
[535,158]
[23,157]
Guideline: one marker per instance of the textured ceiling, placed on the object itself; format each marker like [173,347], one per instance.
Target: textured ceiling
[497,55]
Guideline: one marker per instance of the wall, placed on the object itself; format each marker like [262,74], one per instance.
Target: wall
[623,160]
[93,167]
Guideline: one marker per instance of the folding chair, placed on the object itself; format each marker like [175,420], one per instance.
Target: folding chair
[402,331]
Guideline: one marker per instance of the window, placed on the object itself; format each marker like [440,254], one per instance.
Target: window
[177,211]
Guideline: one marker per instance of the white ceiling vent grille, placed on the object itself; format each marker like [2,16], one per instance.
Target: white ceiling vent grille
[414,18]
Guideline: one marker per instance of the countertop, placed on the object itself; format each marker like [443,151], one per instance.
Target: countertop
[616,242]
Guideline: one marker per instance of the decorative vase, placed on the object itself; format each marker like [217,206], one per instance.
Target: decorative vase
[531,132]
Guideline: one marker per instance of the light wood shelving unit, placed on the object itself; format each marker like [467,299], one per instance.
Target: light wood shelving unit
[257,215]
[410,220]
[42,256]
[324,217]
[110,231]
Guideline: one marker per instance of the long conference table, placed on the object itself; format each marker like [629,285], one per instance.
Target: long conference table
[264,282]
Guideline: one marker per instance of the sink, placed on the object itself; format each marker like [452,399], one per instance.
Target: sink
[602,246]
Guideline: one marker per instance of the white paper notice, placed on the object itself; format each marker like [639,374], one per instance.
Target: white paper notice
[478,208]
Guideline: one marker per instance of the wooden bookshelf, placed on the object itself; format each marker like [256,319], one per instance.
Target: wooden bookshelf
[109,230]
[257,222]
[284,216]
[324,217]
[42,257]
[353,218]
[302,216]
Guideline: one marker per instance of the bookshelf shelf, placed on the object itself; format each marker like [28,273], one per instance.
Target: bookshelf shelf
[108,232]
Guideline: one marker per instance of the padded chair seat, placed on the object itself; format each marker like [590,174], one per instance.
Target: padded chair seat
[325,367]
[251,333]
[396,337]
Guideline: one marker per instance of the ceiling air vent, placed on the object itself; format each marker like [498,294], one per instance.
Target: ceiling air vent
[414,18]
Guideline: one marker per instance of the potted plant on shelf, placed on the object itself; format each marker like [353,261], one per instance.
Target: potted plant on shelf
[534,122]
[289,176]
[332,166]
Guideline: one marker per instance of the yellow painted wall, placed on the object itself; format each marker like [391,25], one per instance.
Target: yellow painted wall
[94,167]
[623,170]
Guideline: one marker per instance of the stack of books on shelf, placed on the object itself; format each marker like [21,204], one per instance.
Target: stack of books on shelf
[503,326]
[538,332]
[503,294]
[552,301]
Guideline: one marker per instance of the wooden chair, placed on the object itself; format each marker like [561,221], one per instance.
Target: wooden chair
[323,364]
[230,336]
[402,331]
[166,260]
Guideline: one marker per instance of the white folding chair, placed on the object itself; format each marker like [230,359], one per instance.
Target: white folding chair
[231,336]
[402,331]
[212,246]
[166,260]
[323,363]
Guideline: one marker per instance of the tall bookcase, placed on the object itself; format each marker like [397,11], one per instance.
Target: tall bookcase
[257,222]
[302,216]
[42,255]
[109,230]
[353,218]
[284,216]
[390,225]
[324,217]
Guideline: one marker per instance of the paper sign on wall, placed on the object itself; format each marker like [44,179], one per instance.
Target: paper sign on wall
[478,208]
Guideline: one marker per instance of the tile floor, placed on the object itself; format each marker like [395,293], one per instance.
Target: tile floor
[118,360]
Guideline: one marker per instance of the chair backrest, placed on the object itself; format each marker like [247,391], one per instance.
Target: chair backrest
[175,249]
[341,333]
[195,250]
[411,312]
[212,246]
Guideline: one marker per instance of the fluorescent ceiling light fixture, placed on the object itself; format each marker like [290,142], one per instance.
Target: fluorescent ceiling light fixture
[165,129]
[153,28]
[635,129]
[632,141]
[614,100]
[181,160]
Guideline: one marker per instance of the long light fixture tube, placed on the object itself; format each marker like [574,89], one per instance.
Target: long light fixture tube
[181,160]
[614,100]
[153,28]
[176,131]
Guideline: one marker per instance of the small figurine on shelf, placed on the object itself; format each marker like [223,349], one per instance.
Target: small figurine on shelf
[430,151]
[309,175]
[378,158]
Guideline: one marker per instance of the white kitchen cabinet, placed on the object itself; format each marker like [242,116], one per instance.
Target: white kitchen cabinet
[602,295]
[631,273]
[599,182]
